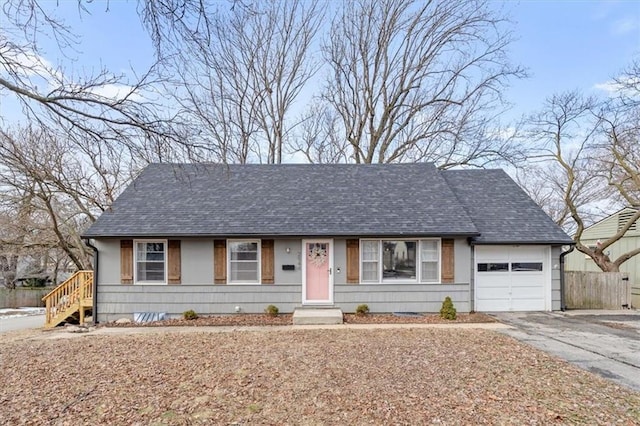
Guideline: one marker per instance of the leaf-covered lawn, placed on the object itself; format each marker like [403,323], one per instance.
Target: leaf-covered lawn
[397,376]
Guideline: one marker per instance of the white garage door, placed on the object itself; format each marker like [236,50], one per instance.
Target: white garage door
[512,278]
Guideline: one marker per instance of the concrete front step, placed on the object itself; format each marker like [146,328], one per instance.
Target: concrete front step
[317,316]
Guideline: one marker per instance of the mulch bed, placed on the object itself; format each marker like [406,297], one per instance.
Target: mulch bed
[287,319]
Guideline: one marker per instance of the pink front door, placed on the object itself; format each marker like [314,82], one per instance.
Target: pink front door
[317,272]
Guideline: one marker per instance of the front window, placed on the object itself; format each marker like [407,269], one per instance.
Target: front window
[430,261]
[370,261]
[244,262]
[151,262]
[400,261]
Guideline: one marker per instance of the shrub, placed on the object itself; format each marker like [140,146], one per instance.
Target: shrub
[448,311]
[272,310]
[362,310]
[35,282]
[190,315]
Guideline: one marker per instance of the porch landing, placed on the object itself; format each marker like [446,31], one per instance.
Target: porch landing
[317,316]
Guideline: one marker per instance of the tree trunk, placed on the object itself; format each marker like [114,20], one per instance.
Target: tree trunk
[604,263]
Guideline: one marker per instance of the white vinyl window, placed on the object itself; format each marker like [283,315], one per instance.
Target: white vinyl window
[398,260]
[430,261]
[151,262]
[244,261]
[370,261]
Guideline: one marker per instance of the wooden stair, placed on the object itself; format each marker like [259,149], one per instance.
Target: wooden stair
[70,301]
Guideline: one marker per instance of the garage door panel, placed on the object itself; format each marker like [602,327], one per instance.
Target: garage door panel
[520,288]
[493,305]
[529,292]
[491,293]
[520,280]
[528,305]
[487,252]
[501,280]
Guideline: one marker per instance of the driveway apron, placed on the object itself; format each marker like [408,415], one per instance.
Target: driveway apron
[607,343]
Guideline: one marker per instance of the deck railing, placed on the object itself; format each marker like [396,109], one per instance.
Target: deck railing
[76,292]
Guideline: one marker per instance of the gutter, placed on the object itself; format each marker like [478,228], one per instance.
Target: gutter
[94,308]
[562,256]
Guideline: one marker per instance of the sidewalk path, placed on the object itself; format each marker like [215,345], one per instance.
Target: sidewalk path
[21,323]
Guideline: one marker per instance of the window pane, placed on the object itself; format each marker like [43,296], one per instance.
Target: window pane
[493,267]
[429,272]
[244,271]
[370,250]
[429,250]
[370,271]
[244,250]
[158,257]
[150,271]
[526,266]
[244,256]
[244,265]
[150,258]
[399,260]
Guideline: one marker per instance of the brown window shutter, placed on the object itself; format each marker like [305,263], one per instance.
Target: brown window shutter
[353,261]
[220,261]
[447,274]
[126,261]
[174,260]
[267,271]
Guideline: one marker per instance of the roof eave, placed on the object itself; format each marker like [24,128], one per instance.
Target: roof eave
[286,235]
[524,242]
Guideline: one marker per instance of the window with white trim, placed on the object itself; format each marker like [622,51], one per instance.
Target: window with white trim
[244,261]
[395,260]
[430,261]
[151,262]
[370,261]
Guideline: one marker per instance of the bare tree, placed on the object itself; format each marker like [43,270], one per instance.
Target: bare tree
[419,81]
[319,138]
[101,106]
[60,188]
[242,76]
[587,158]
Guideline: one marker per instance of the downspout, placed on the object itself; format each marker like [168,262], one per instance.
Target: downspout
[94,308]
[562,255]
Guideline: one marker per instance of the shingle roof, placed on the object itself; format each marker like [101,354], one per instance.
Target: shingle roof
[288,200]
[501,210]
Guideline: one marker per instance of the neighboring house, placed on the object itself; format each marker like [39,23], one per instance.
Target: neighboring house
[398,237]
[601,231]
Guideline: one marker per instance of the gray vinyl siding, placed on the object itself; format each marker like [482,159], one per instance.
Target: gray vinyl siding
[555,278]
[118,301]
[198,292]
[340,262]
[109,261]
[121,301]
[281,257]
[401,297]
[462,261]
[197,262]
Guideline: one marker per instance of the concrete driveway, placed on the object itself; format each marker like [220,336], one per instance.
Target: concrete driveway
[606,343]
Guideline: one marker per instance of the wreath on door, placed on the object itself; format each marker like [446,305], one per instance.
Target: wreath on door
[317,255]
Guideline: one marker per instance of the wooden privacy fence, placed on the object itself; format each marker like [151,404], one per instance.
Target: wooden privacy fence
[22,297]
[597,290]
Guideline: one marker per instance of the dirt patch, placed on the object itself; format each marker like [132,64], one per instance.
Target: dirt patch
[287,319]
[309,377]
